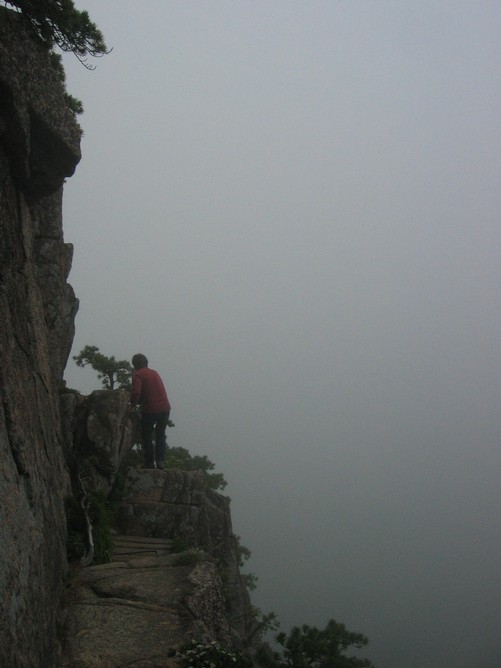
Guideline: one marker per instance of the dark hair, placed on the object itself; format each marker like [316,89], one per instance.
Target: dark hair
[139,361]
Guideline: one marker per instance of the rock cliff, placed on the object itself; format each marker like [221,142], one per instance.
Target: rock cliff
[151,596]
[57,447]
[144,605]
[39,148]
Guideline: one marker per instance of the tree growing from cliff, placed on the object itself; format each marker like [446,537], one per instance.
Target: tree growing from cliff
[310,647]
[58,22]
[243,554]
[113,373]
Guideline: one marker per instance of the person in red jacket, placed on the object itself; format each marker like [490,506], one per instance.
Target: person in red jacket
[149,393]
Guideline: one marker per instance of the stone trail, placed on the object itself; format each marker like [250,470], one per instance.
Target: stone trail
[125,547]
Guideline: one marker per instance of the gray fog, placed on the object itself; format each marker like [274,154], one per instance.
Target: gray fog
[292,208]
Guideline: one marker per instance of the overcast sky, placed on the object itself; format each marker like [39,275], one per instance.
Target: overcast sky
[293,209]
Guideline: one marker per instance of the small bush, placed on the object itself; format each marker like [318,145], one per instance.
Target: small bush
[189,557]
[181,545]
[101,515]
[75,546]
[102,512]
[212,655]
[181,459]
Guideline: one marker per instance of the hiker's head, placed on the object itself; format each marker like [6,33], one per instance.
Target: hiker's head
[139,361]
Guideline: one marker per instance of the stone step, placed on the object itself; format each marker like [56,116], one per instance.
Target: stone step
[133,546]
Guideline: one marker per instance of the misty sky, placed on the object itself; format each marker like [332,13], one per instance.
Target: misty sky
[292,208]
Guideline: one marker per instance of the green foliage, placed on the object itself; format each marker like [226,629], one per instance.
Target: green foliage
[180,458]
[263,623]
[267,622]
[102,511]
[58,22]
[111,372]
[74,104]
[212,655]
[75,544]
[56,63]
[266,657]
[243,552]
[189,557]
[308,646]
[181,545]
[102,515]
[250,580]
[117,491]
[102,518]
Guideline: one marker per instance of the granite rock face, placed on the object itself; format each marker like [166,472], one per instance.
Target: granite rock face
[140,611]
[141,608]
[39,132]
[39,148]
[178,504]
[99,432]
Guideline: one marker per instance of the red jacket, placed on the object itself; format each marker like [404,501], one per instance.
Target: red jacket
[149,391]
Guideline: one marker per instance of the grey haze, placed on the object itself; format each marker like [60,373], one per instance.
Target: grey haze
[293,209]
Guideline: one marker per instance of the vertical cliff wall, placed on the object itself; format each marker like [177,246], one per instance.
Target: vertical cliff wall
[39,147]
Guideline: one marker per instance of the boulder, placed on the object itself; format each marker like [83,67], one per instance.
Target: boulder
[104,431]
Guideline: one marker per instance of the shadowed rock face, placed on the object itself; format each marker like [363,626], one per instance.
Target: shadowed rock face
[39,147]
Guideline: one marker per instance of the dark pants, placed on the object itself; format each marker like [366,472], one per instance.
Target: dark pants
[157,422]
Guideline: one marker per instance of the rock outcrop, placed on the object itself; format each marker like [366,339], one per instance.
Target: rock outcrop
[142,607]
[177,504]
[147,602]
[99,432]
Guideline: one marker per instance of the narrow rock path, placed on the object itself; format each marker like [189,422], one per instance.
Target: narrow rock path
[125,547]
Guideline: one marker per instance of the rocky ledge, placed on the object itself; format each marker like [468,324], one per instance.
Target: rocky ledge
[139,609]
[138,612]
